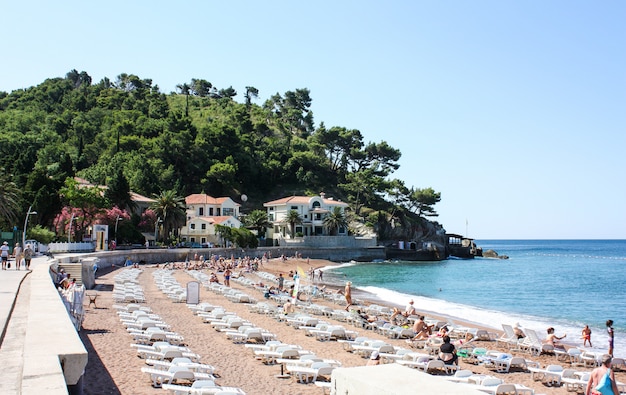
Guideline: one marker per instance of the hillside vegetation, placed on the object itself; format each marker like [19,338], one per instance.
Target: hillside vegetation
[198,139]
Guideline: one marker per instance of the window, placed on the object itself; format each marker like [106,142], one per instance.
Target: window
[201,211]
[192,226]
[217,212]
[294,208]
[203,226]
[228,211]
[211,211]
[316,205]
[271,217]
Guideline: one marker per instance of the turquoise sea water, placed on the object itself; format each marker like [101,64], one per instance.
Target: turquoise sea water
[560,283]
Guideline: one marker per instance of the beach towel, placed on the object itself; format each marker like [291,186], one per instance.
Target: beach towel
[604,386]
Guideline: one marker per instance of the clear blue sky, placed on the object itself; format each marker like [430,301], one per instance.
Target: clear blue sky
[514,110]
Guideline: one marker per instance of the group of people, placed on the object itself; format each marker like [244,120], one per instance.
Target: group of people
[20,255]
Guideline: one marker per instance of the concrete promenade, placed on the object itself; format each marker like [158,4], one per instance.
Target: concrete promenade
[40,350]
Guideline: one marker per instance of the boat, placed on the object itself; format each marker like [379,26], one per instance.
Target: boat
[459,246]
[415,251]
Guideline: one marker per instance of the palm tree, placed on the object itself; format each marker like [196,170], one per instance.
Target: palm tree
[335,220]
[171,209]
[292,219]
[9,200]
[257,220]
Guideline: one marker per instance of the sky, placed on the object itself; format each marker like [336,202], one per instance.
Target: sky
[514,111]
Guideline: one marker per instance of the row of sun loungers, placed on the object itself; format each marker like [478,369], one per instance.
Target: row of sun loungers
[169,362]
[303,365]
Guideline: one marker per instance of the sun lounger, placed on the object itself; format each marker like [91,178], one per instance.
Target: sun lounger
[310,374]
[551,375]
[174,374]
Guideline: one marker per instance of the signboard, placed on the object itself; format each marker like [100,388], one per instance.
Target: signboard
[193,292]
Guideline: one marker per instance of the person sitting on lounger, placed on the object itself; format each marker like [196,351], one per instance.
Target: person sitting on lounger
[552,338]
[447,352]
[421,329]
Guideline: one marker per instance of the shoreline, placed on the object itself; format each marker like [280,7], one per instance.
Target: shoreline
[114,368]
[365,296]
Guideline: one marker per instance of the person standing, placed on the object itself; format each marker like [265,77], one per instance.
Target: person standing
[281,282]
[17,252]
[586,335]
[227,274]
[28,255]
[602,379]
[611,332]
[347,293]
[4,254]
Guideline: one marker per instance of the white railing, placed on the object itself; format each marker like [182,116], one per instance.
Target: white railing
[71,247]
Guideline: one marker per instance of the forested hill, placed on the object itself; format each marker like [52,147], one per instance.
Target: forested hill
[198,139]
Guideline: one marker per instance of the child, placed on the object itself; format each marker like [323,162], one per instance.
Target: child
[586,336]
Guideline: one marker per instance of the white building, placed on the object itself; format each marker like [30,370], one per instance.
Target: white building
[312,211]
[203,213]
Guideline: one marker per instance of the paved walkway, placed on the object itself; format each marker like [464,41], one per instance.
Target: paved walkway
[13,323]
[10,283]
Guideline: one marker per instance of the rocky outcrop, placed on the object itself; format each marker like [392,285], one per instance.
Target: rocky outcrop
[493,254]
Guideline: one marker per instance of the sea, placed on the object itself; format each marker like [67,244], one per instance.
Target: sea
[566,284]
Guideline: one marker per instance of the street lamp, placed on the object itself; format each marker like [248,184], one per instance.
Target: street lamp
[28,214]
[69,232]
[156,229]
[118,219]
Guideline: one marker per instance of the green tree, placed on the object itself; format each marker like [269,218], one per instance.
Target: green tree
[225,233]
[335,220]
[257,220]
[243,238]
[201,88]
[171,209]
[9,201]
[251,92]
[292,219]
[40,234]
[423,201]
[118,192]
[185,89]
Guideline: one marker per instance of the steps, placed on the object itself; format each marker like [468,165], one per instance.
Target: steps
[74,270]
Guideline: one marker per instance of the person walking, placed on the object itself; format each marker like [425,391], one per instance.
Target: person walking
[586,336]
[4,254]
[17,252]
[602,379]
[28,255]
[611,332]
[347,293]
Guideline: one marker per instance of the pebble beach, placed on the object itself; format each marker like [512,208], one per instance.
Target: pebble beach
[114,367]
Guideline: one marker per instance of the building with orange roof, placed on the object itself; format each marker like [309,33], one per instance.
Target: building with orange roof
[203,213]
[312,210]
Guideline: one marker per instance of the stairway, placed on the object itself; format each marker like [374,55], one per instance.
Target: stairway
[74,270]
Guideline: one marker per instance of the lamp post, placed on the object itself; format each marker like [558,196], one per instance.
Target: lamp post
[28,214]
[118,219]
[69,232]
[156,229]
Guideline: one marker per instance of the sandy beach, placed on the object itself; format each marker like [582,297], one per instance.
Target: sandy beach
[115,368]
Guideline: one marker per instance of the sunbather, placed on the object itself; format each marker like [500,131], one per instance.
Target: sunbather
[447,352]
[422,329]
[552,338]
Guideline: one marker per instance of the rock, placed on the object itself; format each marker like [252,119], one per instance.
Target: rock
[490,254]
